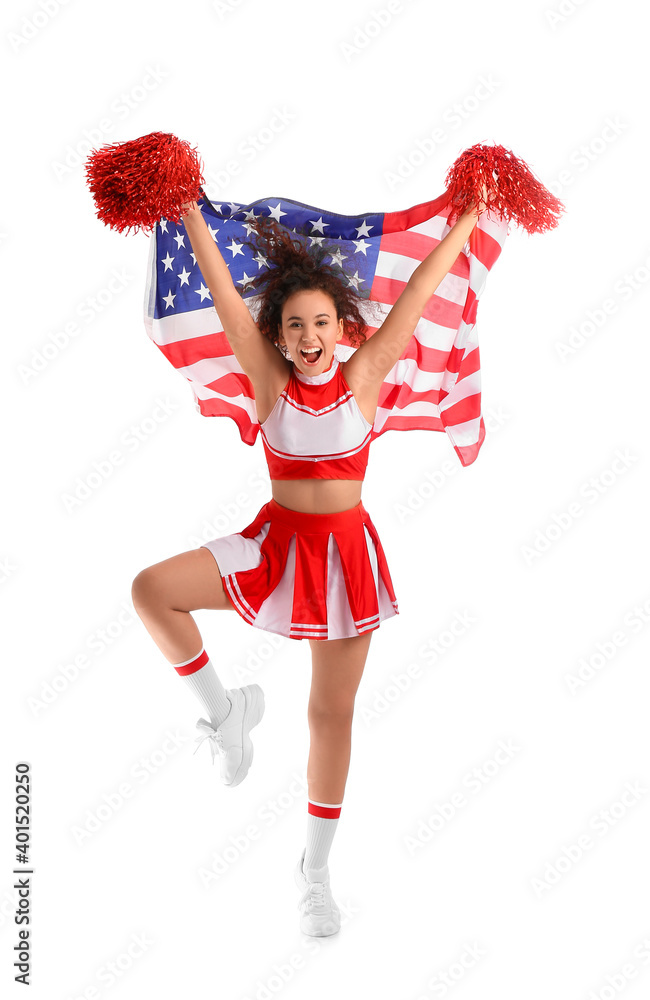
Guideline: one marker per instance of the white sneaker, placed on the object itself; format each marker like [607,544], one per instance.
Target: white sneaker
[230,740]
[319,914]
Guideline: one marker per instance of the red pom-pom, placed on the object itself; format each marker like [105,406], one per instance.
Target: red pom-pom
[136,183]
[493,174]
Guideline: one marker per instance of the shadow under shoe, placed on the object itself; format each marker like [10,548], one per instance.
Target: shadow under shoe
[230,741]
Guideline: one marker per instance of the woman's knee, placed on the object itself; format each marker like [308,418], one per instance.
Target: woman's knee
[145,588]
[336,714]
[184,582]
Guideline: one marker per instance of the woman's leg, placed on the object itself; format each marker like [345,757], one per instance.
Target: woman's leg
[165,593]
[163,596]
[337,668]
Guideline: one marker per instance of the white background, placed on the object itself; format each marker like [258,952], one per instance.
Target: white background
[562,85]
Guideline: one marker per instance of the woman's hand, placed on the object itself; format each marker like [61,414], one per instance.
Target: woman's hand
[188,207]
[483,202]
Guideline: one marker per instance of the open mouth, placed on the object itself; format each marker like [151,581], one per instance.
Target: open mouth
[313,357]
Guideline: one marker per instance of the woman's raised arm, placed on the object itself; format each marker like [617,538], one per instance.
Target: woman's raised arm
[258,357]
[430,272]
[374,359]
[208,256]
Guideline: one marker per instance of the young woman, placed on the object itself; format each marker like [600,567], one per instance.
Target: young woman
[311,564]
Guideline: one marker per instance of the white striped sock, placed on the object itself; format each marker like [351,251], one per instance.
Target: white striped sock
[199,675]
[322,820]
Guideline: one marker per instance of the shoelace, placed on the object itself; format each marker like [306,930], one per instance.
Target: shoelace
[215,737]
[314,896]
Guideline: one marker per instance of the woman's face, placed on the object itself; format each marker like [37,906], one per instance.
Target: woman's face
[309,320]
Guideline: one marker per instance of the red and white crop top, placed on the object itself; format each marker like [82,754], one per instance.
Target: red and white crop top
[316,429]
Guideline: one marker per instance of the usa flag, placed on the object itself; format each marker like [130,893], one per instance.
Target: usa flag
[436,383]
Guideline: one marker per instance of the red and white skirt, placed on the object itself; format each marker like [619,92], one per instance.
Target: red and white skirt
[307,576]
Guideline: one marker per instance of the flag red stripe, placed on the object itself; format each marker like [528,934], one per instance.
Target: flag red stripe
[406,218]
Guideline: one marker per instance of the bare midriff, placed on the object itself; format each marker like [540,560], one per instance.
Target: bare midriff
[317,496]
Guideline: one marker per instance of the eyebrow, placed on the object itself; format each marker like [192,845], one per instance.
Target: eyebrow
[300,317]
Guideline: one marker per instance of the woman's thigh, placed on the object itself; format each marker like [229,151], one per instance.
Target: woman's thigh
[188,581]
[337,668]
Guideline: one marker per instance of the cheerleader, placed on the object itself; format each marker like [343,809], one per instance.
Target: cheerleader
[311,564]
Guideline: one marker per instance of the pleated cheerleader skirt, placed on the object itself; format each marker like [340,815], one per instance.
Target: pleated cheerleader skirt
[307,576]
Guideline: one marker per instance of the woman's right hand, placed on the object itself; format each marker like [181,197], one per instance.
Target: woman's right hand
[189,206]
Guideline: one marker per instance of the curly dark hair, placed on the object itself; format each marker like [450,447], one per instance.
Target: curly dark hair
[295,267]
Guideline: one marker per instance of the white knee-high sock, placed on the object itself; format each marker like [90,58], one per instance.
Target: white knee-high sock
[322,820]
[199,674]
